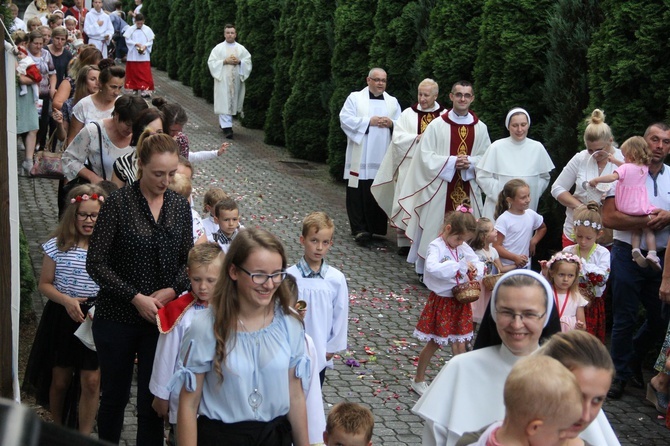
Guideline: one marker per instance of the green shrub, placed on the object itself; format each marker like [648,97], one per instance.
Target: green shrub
[157,15]
[28,283]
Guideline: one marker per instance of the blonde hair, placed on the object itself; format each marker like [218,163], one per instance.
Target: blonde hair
[213,196]
[479,240]
[509,191]
[204,254]
[225,301]
[636,151]
[181,184]
[588,212]
[567,258]
[317,220]
[540,388]
[352,418]
[597,129]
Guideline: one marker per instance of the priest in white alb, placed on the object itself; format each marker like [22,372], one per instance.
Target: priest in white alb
[406,136]
[442,173]
[367,118]
[230,65]
[140,40]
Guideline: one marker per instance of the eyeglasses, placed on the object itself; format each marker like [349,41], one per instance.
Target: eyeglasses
[377,79]
[260,278]
[83,217]
[509,316]
[461,95]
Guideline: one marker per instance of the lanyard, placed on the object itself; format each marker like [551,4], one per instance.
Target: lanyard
[565,302]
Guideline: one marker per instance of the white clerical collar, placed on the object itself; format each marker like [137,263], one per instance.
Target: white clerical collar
[431,109]
[467,119]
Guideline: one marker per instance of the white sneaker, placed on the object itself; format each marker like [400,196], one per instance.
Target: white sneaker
[419,387]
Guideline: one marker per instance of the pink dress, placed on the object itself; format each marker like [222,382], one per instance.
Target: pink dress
[631,191]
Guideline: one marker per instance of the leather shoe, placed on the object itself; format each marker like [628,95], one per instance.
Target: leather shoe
[637,379]
[616,391]
[363,238]
[403,251]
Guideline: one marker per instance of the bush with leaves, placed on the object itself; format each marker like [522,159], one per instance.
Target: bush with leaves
[220,13]
[179,24]
[199,41]
[157,15]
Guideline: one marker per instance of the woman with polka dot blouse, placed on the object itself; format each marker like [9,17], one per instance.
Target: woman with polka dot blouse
[137,256]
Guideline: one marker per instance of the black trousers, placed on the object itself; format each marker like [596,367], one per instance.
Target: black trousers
[364,213]
[246,433]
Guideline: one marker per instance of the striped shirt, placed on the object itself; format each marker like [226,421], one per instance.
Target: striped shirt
[70,277]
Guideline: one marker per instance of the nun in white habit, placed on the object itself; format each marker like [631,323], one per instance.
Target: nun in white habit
[516,156]
[467,394]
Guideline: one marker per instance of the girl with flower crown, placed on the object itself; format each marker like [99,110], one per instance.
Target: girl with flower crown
[57,354]
[450,261]
[562,272]
[595,260]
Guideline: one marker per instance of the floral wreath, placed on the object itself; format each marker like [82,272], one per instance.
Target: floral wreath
[588,224]
[566,257]
[86,197]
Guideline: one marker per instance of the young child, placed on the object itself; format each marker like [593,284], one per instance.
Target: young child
[325,290]
[72,32]
[316,417]
[519,229]
[56,353]
[349,424]
[630,195]
[449,262]
[562,272]
[595,271]
[212,196]
[182,185]
[542,401]
[26,65]
[203,267]
[227,215]
[482,244]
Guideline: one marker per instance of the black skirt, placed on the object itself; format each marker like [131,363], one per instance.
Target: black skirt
[246,433]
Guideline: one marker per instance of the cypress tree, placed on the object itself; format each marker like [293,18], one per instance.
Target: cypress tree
[283,41]
[566,94]
[257,21]
[220,13]
[178,22]
[306,114]
[400,36]
[158,18]
[629,76]
[452,44]
[350,66]
[511,62]
[200,52]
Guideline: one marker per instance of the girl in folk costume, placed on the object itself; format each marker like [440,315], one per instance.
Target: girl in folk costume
[595,260]
[449,262]
[140,41]
[519,228]
[631,194]
[56,353]
[482,244]
[562,272]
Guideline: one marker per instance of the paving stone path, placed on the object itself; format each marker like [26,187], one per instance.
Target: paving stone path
[275,192]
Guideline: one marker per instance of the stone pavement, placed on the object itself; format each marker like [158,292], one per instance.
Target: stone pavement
[275,192]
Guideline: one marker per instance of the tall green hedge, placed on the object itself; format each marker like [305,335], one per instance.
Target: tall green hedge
[452,44]
[220,13]
[511,62]
[400,36]
[179,55]
[283,49]
[350,66]
[256,25]
[200,51]
[629,74]
[157,15]
[306,114]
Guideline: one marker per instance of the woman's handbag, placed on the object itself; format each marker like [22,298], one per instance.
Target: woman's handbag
[48,164]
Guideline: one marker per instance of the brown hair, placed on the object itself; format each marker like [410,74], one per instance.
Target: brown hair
[352,418]
[225,300]
[88,56]
[509,191]
[589,211]
[576,349]
[66,233]
[151,144]
[479,240]
[80,86]
[227,204]
[460,222]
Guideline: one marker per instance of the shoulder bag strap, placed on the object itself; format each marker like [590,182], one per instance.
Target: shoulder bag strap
[102,161]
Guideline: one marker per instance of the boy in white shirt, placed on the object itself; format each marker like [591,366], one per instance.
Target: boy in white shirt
[227,215]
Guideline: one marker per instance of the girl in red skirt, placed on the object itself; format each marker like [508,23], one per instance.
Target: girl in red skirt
[444,320]
[595,265]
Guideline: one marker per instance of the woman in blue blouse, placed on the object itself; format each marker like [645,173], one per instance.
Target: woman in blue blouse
[137,255]
[244,356]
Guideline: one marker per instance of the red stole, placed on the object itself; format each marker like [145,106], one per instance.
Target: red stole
[461,142]
[424,118]
[170,315]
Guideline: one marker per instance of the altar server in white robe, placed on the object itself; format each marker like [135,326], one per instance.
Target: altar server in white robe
[140,41]
[442,173]
[406,136]
[98,27]
[230,65]
[467,394]
[516,156]
[367,118]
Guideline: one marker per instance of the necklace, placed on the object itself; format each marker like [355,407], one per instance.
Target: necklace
[255,398]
